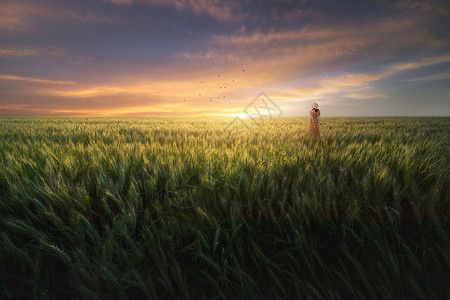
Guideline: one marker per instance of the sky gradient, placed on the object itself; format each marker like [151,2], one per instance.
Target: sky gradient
[213,57]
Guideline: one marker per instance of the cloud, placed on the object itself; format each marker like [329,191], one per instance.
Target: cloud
[134,104]
[356,86]
[14,16]
[120,2]
[221,10]
[164,98]
[303,54]
[17,52]
[385,34]
[22,15]
[12,51]
[188,92]
[296,55]
[176,96]
[351,85]
[441,76]
[33,110]
[34,80]
[408,66]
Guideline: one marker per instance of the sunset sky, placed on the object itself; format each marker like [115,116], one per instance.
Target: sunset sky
[213,57]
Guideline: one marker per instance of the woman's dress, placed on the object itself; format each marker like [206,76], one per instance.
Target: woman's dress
[314,123]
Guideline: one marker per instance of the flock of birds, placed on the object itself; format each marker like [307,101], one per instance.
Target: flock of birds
[215,97]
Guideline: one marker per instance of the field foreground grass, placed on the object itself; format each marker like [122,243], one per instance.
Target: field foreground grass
[196,209]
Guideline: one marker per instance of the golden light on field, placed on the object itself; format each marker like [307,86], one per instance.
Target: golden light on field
[195,207]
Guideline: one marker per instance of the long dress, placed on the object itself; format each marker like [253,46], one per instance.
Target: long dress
[314,123]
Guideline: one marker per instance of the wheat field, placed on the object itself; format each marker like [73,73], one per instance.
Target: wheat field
[193,208]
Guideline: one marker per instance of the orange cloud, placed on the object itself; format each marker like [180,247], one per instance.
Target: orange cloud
[8,51]
[14,16]
[34,80]
[17,52]
[203,92]
[33,110]
[275,57]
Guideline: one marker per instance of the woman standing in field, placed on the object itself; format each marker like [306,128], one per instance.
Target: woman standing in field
[314,123]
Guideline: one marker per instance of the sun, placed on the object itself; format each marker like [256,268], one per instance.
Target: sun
[242,115]
[239,115]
